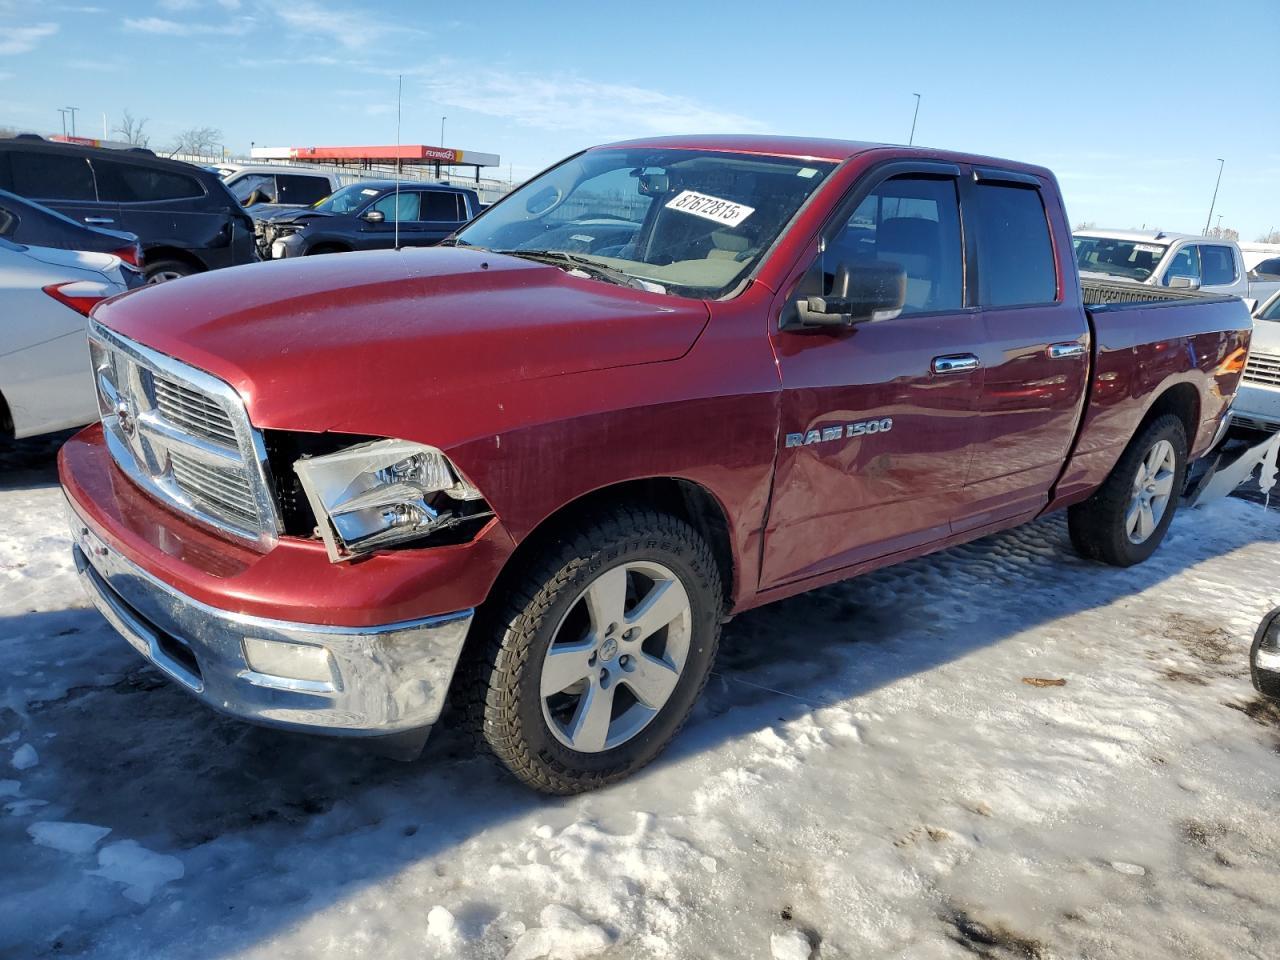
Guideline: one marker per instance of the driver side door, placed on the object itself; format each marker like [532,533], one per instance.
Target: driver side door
[878,419]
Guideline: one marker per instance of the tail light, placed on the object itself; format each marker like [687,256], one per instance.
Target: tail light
[81,296]
[131,255]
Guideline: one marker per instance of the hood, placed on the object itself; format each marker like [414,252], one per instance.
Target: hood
[347,342]
[273,211]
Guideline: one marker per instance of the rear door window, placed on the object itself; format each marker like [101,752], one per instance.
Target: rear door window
[51,176]
[1185,263]
[1015,253]
[135,183]
[441,205]
[300,188]
[1217,266]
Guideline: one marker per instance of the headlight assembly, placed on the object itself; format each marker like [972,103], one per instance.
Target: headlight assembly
[384,493]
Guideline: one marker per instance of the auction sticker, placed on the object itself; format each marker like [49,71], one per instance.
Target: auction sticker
[710,208]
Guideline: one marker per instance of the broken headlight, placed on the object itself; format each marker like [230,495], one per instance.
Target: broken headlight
[384,493]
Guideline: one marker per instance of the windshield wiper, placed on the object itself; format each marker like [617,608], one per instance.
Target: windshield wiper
[459,242]
[586,265]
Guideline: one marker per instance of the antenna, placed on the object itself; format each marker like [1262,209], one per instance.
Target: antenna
[399,92]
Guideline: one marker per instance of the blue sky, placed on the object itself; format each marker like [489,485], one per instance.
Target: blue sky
[1130,102]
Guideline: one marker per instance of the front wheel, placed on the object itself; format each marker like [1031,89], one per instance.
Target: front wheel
[601,652]
[1125,520]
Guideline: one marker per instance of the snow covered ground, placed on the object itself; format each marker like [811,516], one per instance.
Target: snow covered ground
[869,776]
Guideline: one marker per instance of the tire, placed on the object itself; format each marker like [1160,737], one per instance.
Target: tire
[509,695]
[162,271]
[1101,526]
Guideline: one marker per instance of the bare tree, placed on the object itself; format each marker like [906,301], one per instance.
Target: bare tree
[1271,236]
[7,133]
[1224,233]
[198,141]
[131,130]
[1085,225]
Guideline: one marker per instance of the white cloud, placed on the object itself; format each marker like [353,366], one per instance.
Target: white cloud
[175,28]
[567,102]
[353,30]
[23,39]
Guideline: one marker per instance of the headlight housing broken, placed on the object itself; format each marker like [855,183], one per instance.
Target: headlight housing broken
[385,493]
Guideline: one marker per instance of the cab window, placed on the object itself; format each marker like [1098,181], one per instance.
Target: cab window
[398,206]
[1185,263]
[911,221]
[1217,265]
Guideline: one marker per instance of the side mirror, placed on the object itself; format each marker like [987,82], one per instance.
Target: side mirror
[373,216]
[1264,657]
[861,293]
[1184,283]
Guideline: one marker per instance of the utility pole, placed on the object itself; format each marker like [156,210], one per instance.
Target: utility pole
[442,120]
[72,111]
[1214,202]
[912,139]
[63,111]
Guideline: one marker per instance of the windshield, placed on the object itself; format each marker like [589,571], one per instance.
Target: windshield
[1128,259]
[346,199]
[1271,311]
[686,222]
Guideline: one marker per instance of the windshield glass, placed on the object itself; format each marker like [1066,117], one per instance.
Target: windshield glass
[1127,259]
[346,199]
[1271,311]
[685,222]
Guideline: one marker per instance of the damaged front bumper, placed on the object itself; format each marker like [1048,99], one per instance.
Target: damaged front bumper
[388,682]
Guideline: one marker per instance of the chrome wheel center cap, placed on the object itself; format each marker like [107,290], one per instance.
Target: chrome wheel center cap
[608,649]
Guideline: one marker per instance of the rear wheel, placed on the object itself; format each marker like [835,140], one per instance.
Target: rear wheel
[1127,518]
[162,271]
[598,658]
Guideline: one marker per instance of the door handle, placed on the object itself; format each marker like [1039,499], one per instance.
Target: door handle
[955,363]
[98,220]
[1063,351]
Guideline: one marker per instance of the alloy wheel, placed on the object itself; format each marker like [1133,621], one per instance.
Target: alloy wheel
[1152,488]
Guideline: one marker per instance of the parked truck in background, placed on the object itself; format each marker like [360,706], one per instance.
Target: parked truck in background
[660,384]
[1257,406]
[1175,260]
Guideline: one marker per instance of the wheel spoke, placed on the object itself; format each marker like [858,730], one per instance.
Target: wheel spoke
[666,601]
[1132,516]
[606,599]
[1162,486]
[589,729]
[1146,521]
[565,665]
[652,680]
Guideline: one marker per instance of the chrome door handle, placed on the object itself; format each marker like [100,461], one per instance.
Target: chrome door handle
[1062,351]
[98,220]
[955,363]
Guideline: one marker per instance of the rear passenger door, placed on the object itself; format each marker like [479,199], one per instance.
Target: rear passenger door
[443,211]
[163,207]
[1035,346]
[62,181]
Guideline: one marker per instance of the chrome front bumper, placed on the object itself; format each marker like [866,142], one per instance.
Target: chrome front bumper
[377,681]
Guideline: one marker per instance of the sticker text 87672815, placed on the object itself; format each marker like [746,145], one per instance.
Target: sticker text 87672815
[710,208]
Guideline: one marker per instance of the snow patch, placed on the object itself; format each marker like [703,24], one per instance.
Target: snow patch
[563,936]
[142,871]
[791,945]
[67,837]
[25,757]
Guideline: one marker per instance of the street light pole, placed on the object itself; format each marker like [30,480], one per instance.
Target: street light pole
[63,111]
[442,120]
[72,111]
[912,139]
[1214,201]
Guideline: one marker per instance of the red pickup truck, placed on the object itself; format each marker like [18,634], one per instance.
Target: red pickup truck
[662,383]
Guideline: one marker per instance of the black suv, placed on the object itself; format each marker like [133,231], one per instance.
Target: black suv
[370,216]
[184,216]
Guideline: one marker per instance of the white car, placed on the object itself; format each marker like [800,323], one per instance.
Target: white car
[1175,260]
[1257,405]
[45,296]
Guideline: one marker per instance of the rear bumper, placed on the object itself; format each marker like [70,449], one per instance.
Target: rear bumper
[373,681]
[1256,407]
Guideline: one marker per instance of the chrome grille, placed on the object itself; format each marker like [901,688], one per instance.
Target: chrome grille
[184,437]
[1263,368]
[190,410]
